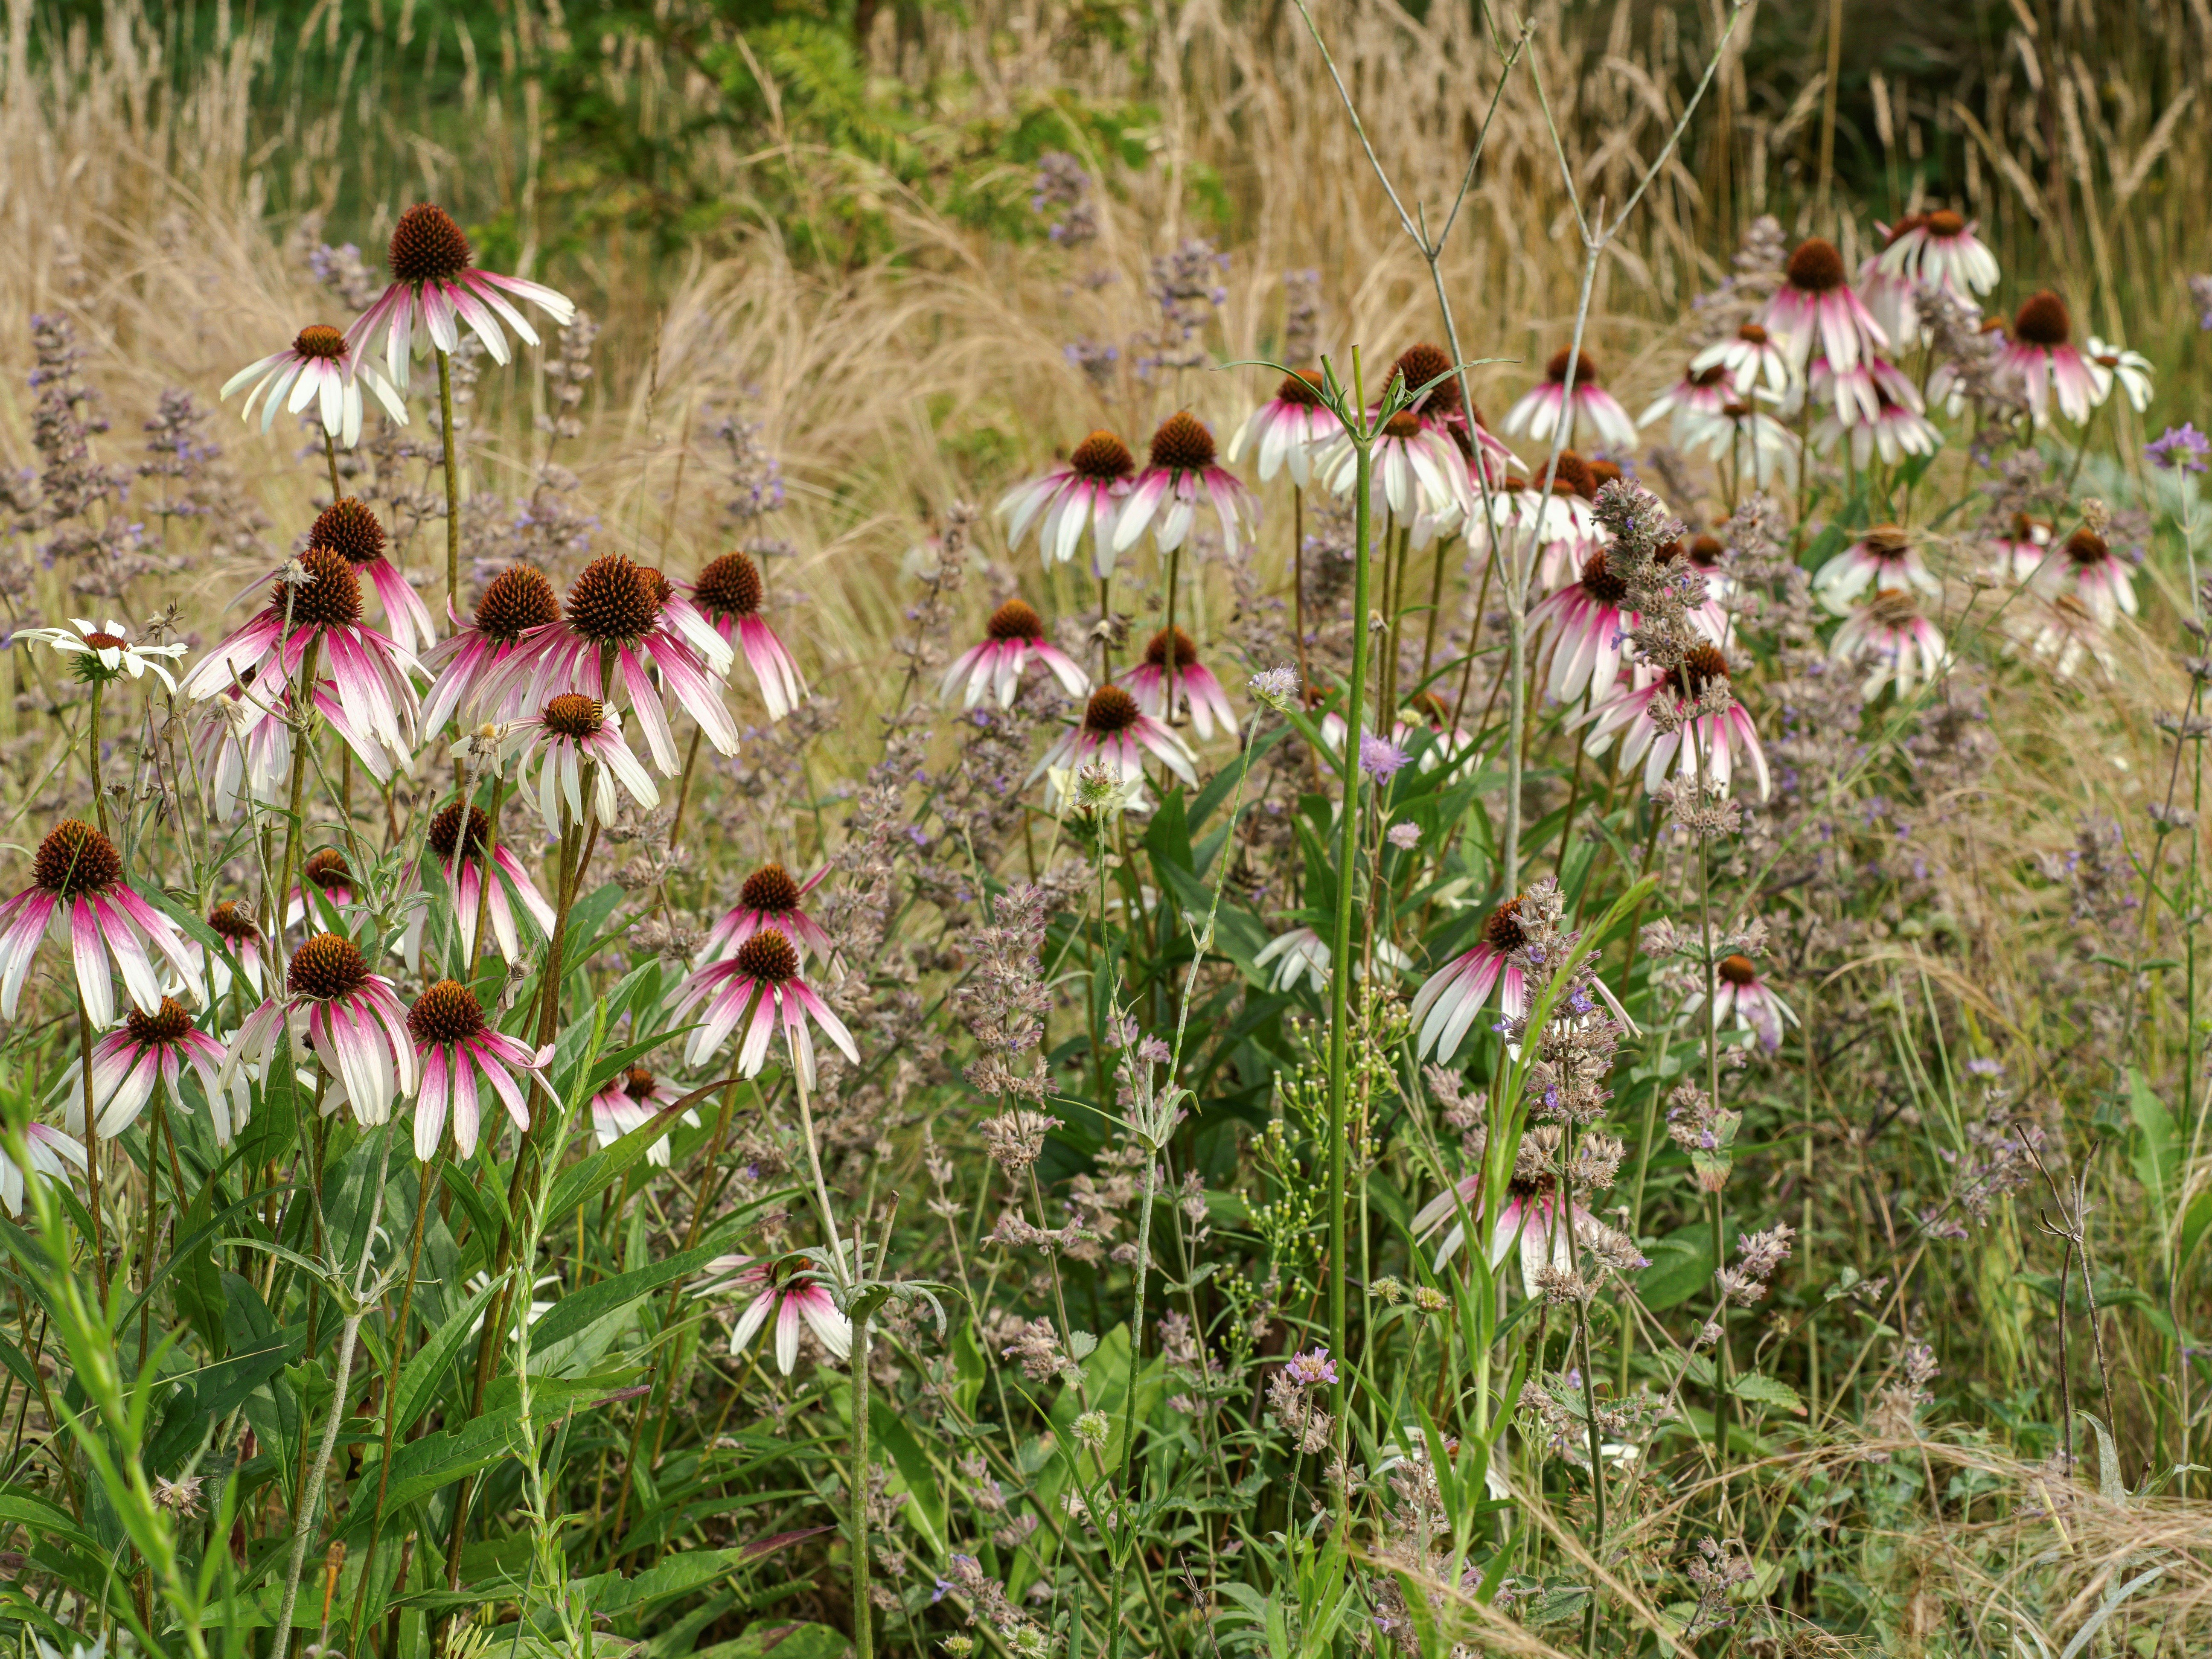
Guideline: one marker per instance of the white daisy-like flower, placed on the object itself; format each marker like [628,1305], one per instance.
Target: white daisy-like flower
[321,366]
[104,651]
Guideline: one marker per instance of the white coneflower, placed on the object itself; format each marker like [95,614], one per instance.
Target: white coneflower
[1886,556]
[2042,357]
[1114,731]
[1753,360]
[2087,569]
[1285,432]
[2130,368]
[1889,633]
[1181,473]
[318,367]
[1561,403]
[1942,252]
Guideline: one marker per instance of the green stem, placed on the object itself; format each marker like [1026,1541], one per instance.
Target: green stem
[1339,982]
[91,761]
[452,481]
[1124,1503]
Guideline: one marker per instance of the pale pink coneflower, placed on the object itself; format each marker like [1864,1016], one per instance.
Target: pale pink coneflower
[1892,297]
[577,732]
[787,1287]
[770,897]
[460,1055]
[629,1100]
[1554,404]
[729,593]
[632,614]
[348,526]
[2087,569]
[2021,550]
[1302,953]
[1755,361]
[1415,472]
[318,367]
[1563,522]
[516,603]
[99,653]
[2042,357]
[1717,738]
[461,864]
[78,895]
[1114,730]
[242,750]
[1182,471]
[1857,395]
[2131,369]
[1889,633]
[1532,1219]
[237,929]
[436,286]
[1012,639]
[1285,432]
[1943,253]
[1702,391]
[54,1157]
[1740,994]
[1589,625]
[148,1054]
[1885,555]
[2066,634]
[1446,1004]
[368,699]
[1083,495]
[757,986]
[350,1016]
[323,875]
[1814,311]
[1440,405]
[1197,692]
[1893,430]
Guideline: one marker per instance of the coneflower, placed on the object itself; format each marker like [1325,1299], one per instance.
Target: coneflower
[1589,623]
[2087,569]
[1886,556]
[1722,741]
[789,1288]
[1562,403]
[458,839]
[1181,473]
[346,526]
[1114,730]
[436,286]
[578,732]
[1703,390]
[1286,431]
[758,986]
[1013,638]
[1196,690]
[148,1052]
[77,894]
[459,1055]
[1814,311]
[657,640]
[1890,633]
[629,1100]
[771,897]
[319,367]
[1943,253]
[1755,361]
[729,593]
[350,1016]
[1415,472]
[516,603]
[2043,358]
[1738,992]
[1082,496]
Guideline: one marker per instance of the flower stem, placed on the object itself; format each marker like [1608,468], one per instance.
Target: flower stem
[91,761]
[487,874]
[1123,1505]
[452,480]
[683,789]
[863,1612]
[1339,982]
[398,1345]
[330,448]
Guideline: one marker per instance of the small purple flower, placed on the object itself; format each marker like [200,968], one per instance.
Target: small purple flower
[1380,758]
[1403,837]
[2181,449]
[1311,1369]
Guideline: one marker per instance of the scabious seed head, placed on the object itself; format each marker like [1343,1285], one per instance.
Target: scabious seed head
[1815,267]
[770,888]
[321,340]
[1182,444]
[448,1012]
[331,599]
[2042,321]
[427,247]
[1501,929]
[74,859]
[572,714]
[1585,369]
[1736,970]
[327,966]
[326,869]
[768,955]
[167,1024]
[1015,620]
[1102,457]
[446,832]
[348,526]
[517,600]
[1111,709]
[614,601]
[730,587]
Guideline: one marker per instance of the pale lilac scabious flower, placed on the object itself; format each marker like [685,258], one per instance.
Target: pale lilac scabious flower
[1311,1370]
[1403,837]
[1380,758]
[2178,449]
[1277,688]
